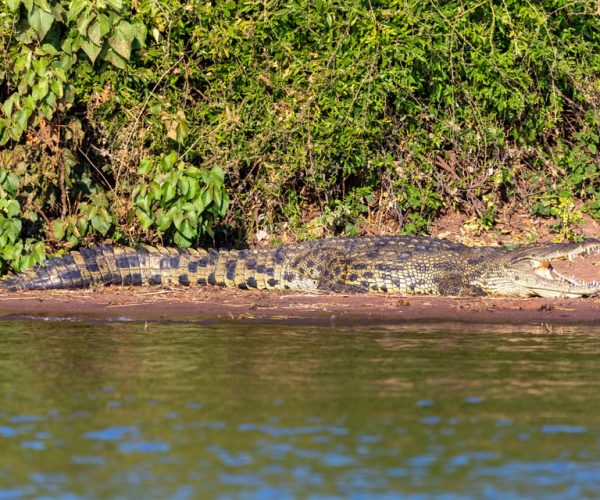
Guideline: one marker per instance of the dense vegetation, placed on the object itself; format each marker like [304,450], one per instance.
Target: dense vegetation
[174,121]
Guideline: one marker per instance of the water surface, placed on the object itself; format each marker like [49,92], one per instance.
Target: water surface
[111,410]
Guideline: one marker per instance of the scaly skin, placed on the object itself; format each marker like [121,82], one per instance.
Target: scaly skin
[396,264]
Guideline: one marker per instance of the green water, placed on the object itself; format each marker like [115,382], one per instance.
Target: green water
[126,410]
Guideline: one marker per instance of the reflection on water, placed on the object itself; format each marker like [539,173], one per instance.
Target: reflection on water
[183,410]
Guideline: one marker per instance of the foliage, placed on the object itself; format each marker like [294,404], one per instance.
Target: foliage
[129,121]
[13,249]
[45,57]
[179,201]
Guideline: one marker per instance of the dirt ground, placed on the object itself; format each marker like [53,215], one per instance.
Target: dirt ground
[215,304]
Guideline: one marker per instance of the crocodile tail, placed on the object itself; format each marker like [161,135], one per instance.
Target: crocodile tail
[110,265]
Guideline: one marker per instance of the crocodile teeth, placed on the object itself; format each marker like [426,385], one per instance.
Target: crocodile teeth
[546,270]
[571,281]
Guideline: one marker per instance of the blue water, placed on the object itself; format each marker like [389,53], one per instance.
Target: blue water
[126,410]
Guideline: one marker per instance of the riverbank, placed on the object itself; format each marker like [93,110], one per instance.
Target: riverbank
[216,304]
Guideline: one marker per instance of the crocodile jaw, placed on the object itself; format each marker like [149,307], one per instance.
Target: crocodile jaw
[540,278]
[556,290]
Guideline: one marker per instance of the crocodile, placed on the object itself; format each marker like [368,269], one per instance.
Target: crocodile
[395,264]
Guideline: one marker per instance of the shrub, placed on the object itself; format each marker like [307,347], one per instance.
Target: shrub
[329,112]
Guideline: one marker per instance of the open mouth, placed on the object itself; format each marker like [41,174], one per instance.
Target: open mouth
[573,269]
[546,270]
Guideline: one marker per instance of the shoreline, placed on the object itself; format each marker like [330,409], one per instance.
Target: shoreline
[213,304]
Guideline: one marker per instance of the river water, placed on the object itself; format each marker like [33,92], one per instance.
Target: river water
[180,410]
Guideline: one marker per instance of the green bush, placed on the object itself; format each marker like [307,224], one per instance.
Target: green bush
[328,113]
[20,253]
[179,201]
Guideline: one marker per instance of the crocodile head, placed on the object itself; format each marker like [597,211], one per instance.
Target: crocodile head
[528,271]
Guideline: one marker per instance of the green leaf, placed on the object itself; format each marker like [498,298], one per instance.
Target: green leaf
[190,211]
[48,49]
[82,226]
[59,228]
[75,8]
[199,203]
[91,210]
[180,240]
[91,49]
[22,262]
[115,4]
[8,105]
[38,252]
[218,174]
[145,166]
[47,110]
[224,205]
[68,46]
[169,190]
[168,161]
[40,89]
[187,230]
[23,62]
[94,34]
[155,190]
[140,32]
[146,220]
[121,39]
[22,117]
[115,59]
[184,185]
[13,133]
[57,88]
[41,21]
[177,219]
[43,4]
[103,25]
[13,5]
[100,224]
[193,188]
[163,220]
[12,208]
[217,196]
[182,130]
[13,230]
[104,213]
[60,74]
[143,202]
[206,197]
[9,252]
[84,20]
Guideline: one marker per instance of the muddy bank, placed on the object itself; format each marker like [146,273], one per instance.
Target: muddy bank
[216,304]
